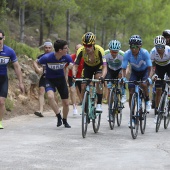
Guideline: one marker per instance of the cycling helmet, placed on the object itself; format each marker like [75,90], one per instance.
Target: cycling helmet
[88,38]
[160,40]
[114,45]
[166,33]
[135,40]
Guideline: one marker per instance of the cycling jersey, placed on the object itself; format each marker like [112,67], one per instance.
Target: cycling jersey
[114,63]
[98,55]
[7,54]
[79,69]
[139,63]
[54,67]
[155,57]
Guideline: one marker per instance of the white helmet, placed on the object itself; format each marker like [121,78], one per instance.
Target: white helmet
[160,40]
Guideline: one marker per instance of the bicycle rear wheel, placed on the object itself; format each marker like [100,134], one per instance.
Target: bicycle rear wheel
[111,110]
[167,117]
[143,115]
[97,117]
[85,111]
[134,117]
[160,111]
[119,109]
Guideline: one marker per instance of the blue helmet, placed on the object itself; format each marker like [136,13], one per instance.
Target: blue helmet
[114,45]
[135,40]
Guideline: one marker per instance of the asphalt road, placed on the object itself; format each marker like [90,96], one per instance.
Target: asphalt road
[29,142]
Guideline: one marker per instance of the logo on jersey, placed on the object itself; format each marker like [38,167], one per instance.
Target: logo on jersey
[4,60]
[56,66]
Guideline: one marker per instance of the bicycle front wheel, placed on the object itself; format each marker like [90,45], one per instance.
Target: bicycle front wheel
[119,109]
[134,118]
[167,117]
[143,115]
[160,111]
[111,110]
[97,117]
[85,117]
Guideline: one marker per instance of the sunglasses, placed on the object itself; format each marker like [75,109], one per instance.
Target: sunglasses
[160,47]
[114,51]
[87,46]
[1,38]
[134,47]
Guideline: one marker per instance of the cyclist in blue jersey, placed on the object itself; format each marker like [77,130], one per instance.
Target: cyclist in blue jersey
[160,56]
[55,63]
[141,64]
[7,54]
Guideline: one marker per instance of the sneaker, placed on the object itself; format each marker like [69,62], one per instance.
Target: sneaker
[99,108]
[59,122]
[66,125]
[1,127]
[123,100]
[39,114]
[133,124]
[148,106]
[155,119]
[80,104]
[75,112]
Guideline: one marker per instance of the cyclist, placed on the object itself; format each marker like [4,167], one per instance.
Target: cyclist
[94,63]
[166,34]
[114,57]
[7,54]
[77,86]
[141,64]
[160,55]
[55,63]
[48,47]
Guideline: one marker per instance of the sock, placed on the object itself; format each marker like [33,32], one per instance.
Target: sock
[64,121]
[59,115]
[123,90]
[99,98]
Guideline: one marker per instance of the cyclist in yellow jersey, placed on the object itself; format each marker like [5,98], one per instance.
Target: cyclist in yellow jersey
[94,63]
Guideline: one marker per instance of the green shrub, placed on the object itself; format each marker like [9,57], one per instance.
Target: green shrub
[9,104]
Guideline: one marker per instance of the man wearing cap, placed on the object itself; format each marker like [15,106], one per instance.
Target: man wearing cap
[48,47]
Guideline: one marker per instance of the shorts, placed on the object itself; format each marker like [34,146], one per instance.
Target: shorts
[60,84]
[89,71]
[112,74]
[42,81]
[3,86]
[138,76]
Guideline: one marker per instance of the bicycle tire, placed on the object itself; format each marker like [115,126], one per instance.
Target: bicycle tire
[143,115]
[111,111]
[85,113]
[167,117]
[97,118]
[134,117]
[119,109]
[160,111]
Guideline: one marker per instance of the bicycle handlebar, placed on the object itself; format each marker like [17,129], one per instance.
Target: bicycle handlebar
[93,80]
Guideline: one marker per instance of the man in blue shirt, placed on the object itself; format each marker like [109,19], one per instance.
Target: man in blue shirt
[7,55]
[55,78]
[141,64]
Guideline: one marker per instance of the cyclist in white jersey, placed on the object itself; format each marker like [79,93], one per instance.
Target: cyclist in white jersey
[160,56]
[114,57]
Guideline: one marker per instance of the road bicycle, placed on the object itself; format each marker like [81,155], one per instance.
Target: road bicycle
[163,110]
[137,110]
[115,106]
[89,106]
